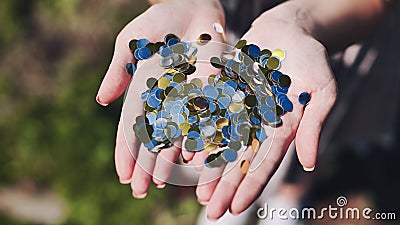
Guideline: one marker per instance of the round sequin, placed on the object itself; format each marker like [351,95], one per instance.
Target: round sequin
[130,68]
[279,53]
[304,98]
[203,39]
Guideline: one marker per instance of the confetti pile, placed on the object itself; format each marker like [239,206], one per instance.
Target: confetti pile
[221,116]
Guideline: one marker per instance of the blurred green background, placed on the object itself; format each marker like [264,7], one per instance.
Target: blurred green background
[56,142]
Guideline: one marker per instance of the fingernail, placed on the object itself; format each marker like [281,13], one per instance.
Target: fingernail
[308,169]
[139,196]
[100,103]
[124,181]
[202,202]
[161,186]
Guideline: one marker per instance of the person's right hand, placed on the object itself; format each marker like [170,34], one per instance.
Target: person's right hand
[185,18]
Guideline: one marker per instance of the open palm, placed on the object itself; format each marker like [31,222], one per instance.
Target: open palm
[186,19]
[307,64]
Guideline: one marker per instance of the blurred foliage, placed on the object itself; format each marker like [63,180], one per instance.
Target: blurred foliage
[52,59]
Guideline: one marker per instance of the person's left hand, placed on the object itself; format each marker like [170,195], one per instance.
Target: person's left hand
[307,65]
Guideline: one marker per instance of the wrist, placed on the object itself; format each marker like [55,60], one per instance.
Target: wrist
[152,2]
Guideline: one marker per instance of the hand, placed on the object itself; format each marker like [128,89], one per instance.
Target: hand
[307,64]
[185,18]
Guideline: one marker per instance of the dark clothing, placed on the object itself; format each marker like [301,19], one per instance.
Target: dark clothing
[241,13]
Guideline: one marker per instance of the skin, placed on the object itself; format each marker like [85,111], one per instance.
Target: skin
[116,81]
[304,29]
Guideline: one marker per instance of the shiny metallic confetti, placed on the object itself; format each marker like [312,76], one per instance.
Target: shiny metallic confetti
[130,68]
[279,53]
[225,114]
[203,39]
[240,44]
[255,145]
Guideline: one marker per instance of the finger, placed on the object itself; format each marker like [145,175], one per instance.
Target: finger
[287,131]
[308,133]
[142,173]
[222,197]
[254,182]
[198,160]
[165,161]
[124,158]
[266,161]
[207,182]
